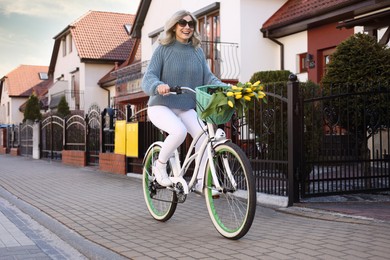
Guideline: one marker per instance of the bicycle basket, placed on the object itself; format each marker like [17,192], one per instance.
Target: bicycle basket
[203,96]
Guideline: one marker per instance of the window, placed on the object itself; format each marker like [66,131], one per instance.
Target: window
[326,56]
[210,33]
[70,42]
[72,86]
[43,76]
[302,62]
[127,28]
[63,42]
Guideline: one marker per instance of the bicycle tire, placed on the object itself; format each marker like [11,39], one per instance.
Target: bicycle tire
[233,211]
[160,201]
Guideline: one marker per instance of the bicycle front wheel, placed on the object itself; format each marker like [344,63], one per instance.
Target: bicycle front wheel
[233,211]
[160,201]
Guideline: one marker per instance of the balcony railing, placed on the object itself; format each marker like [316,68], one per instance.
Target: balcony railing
[222,58]
[75,99]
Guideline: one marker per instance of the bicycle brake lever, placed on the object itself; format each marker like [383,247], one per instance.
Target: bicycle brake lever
[176,89]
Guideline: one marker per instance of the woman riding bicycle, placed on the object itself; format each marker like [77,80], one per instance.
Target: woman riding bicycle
[177,61]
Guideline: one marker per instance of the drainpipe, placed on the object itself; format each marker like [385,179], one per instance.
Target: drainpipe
[281,52]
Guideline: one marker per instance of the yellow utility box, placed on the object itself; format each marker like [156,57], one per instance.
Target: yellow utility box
[120,137]
[132,134]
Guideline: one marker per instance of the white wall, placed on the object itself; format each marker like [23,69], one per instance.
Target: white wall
[16,115]
[66,64]
[13,116]
[4,118]
[294,45]
[90,74]
[257,53]
[159,12]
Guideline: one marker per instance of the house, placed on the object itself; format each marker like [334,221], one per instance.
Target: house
[84,52]
[231,40]
[304,34]
[14,91]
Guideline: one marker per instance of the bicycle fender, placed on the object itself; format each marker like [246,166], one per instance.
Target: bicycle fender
[221,141]
[150,147]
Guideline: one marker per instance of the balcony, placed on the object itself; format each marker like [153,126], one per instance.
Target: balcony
[222,58]
[75,99]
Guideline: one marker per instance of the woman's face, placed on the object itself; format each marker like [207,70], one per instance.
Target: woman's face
[184,29]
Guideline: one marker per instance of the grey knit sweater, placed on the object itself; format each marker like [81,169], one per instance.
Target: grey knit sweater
[177,64]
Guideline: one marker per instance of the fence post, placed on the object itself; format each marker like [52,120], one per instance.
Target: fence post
[36,140]
[64,134]
[129,113]
[86,138]
[294,138]
[20,135]
[102,126]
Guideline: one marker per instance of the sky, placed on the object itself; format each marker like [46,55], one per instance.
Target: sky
[27,27]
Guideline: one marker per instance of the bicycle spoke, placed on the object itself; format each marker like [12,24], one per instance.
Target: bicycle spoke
[232,214]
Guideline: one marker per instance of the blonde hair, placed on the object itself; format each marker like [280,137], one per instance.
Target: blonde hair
[170,36]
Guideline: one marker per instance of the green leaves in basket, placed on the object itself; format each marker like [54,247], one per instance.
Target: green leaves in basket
[224,100]
[218,104]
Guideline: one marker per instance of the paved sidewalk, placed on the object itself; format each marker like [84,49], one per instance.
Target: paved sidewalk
[104,216]
[23,238]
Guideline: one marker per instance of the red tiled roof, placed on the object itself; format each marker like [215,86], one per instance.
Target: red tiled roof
[102,35]
[137,58]
[23,78]
[40,90]
[295,10]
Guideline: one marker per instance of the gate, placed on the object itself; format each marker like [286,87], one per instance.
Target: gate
[263,136]
[13,133]
[93,125]
[52,137]
[75,133]
[26,138]
[346,144]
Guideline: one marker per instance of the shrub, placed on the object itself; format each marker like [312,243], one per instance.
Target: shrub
[63,108]
[33,110]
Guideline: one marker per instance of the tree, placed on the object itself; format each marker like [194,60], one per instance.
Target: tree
[63,108]
[32,111]
[359,60]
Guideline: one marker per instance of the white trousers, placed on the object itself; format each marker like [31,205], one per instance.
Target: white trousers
[177,123]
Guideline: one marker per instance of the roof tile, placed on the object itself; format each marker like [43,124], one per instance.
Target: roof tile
[23,78]
[294,10]
[102,35]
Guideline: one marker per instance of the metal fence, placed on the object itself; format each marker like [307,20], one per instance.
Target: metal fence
[346,144]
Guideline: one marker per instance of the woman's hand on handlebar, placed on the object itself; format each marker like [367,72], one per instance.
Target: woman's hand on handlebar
[163,89]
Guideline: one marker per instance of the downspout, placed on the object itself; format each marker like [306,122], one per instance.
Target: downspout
[281,52]
[108,98]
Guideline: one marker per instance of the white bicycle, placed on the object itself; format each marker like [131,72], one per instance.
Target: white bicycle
[227,173]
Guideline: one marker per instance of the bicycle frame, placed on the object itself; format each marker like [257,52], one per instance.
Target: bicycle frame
[206,147]
[179,169]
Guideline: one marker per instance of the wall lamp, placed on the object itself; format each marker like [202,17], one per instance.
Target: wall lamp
[310,63]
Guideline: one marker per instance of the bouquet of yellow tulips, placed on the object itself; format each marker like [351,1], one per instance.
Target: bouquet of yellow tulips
[224,100]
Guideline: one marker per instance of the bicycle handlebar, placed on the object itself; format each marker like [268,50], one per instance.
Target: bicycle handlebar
[179,90]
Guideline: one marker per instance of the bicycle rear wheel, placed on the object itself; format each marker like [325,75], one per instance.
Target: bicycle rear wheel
[233,211]
[160,201]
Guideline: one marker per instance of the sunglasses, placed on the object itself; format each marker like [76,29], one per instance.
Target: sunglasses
[183,23]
